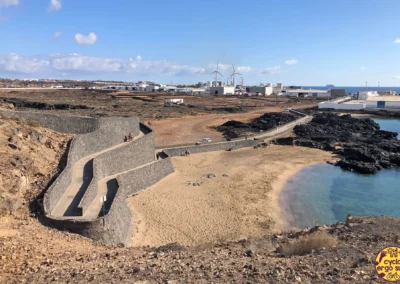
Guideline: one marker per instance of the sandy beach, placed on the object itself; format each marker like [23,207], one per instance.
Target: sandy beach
[242,200]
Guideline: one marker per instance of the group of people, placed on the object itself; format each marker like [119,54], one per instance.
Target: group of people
[128,138]
[187,153]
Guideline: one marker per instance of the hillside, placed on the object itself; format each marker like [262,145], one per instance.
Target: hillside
[30,157]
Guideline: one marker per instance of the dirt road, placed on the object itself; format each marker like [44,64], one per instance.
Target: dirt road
[194,128]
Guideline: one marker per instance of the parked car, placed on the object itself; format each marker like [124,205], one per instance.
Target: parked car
[204,140]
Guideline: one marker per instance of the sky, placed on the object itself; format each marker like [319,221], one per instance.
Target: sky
[297,42]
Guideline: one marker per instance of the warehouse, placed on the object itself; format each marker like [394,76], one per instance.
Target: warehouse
[345,103]
[389,102]
[306,93]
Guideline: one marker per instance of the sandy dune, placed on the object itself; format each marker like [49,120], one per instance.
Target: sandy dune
[242,204]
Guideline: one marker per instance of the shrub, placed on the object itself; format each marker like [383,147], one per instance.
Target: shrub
[32,123]
[305,245]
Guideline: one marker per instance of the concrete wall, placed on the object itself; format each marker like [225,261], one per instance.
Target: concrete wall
[64,124]
[210,147]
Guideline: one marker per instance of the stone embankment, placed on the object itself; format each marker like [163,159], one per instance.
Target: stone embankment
[360,143]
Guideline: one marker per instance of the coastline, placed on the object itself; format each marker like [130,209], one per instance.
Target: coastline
[241,201]
[284,216]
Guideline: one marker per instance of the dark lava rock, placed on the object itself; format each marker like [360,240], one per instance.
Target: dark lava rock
[364,148]
[268,121]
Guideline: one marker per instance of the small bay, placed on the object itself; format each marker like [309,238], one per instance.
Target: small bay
[324,194]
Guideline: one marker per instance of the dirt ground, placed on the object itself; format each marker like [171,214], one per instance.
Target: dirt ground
[242,200]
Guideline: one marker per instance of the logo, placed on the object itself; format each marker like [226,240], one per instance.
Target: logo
[387,264]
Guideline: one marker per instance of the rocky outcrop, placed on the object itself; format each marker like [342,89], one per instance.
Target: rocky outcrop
[360,143]
[234,129]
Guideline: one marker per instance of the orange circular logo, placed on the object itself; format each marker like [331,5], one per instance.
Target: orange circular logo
[387,264]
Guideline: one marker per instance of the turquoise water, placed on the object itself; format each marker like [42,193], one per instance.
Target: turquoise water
[325,194]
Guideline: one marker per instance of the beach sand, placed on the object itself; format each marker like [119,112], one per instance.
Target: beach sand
[245,203]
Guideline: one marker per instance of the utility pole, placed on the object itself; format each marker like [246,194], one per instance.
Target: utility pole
[366,85]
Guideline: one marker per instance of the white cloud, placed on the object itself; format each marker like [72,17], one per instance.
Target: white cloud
[397,40]
[83,39]
[57,35]
[396,77]
[54,6]
[291,62]
[79,65]
[19,64]
[9,3]
[363,68]
[271,70]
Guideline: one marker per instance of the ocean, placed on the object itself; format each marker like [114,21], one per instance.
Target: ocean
[324,194]
[355,89]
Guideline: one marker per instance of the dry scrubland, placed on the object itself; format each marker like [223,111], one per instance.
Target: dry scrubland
[148,106]
[242,200]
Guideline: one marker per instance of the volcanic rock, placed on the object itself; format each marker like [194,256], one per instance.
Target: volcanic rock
[363,147]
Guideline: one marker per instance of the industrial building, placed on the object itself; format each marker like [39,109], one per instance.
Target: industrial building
[338,93]
[225,90]
[387,93]
[305,93]
[345,103]
[265,91]
[389,102]
[151,88]
[363,95]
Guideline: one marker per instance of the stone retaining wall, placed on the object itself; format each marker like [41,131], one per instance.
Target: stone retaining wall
[134,154]
[222,146]
[110,132]
[64,124]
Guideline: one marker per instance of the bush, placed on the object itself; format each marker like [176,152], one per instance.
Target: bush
[305,245]
[32,123]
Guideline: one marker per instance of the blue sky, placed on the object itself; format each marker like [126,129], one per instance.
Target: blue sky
[303,42]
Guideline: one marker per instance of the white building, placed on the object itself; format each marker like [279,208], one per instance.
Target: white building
[389,102]
[306,93]
[387,93]
[363,95]
[344,103]
[151,88]
[226,90]
[265,91]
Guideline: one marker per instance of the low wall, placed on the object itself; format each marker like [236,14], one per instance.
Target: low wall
[211,147]
[143,177]
[64,124]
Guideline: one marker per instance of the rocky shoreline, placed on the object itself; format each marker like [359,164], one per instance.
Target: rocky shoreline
[359,142]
